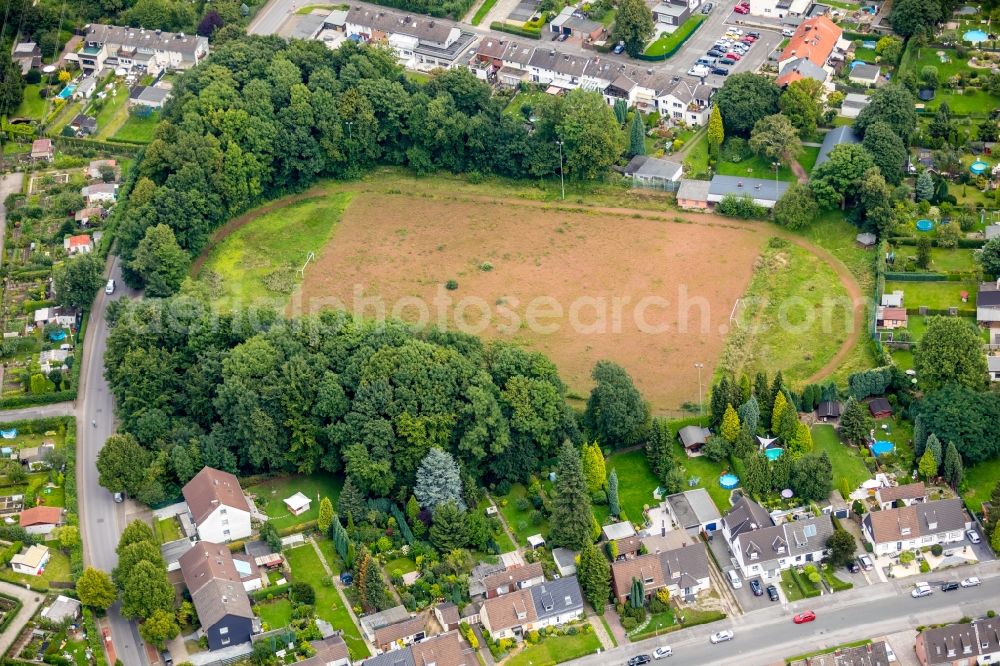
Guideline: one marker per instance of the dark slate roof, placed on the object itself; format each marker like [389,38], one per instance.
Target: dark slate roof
[828,408]
[747,515]
[692,435]
[879,405]
[392,658]
[757,188]
[555,597]
[835,137]
[988,295]
[808,536]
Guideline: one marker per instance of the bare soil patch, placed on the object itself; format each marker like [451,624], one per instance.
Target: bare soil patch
[653,295]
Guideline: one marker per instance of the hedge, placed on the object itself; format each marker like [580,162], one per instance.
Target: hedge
[503,26]
[12,613]
[33,399]
[94,638]
[273,591]
[965,243]
[931,312]
[916,277]
[674,41]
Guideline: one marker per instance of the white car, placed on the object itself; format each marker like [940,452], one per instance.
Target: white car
[109,288]
[787,32]
[722,636]
[662,652]
[698,71]
[921,590]
[971,581]
[973,536]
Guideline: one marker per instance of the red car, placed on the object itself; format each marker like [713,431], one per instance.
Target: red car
[734,56]
[748,39]
[802,618]
[740,9]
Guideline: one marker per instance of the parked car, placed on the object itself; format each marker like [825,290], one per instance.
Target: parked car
[618,48]
[787,32]
[758,591]
[921,590]
[971,581]
[754,34]
[639,660]
[950,586]
[802,618]
[662,652]
[563,37]
[734,56]
[715,53]
[734,579]
[740,9]
[119,498]
[722,636]
[698,71]
[853,567]
[166,658]
[772,593]
[347,578]
[707,9]
[866,563]
[727,61]
[109,288]
[720,71]
[973,536]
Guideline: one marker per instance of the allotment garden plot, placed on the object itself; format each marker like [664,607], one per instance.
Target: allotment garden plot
[579,286]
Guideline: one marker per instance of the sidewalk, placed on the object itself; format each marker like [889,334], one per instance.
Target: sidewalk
[30,600]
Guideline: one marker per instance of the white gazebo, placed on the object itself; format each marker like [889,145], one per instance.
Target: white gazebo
[536,541]
[298,504]
[766,442]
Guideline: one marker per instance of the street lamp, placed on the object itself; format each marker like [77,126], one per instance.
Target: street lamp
[701,404]
[776,165]
[562,176]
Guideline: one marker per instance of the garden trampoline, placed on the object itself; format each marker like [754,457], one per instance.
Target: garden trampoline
[925,225]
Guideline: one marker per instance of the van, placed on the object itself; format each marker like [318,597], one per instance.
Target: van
[734,579]
[706,61]
[109,288]
[698,71]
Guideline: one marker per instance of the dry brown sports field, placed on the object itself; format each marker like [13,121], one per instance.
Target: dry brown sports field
[654,295]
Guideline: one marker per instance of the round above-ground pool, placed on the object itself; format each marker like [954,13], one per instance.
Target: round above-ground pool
[925,225]
[729,481]
[978,167]
[881,447]
[773,453]
[975,36]
[56,336]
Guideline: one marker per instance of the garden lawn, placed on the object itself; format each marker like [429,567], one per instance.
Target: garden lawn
[846,460]
[935,295]
[807,160]
[790,587]
[57,570]
[669,43]
[306,567]
[483,10]
[979,483]
[657,623]
[276,613]
[329,551]
[167,530]
[756,167]
[971,103]
[636,482]
[138,129]
[706,471]
[113,113]
[927,56]
[556,649]
[955,260]
[32,106]
[247,276]
[530,97]
[271,494]
[518,520]
[696,157]
[402,564]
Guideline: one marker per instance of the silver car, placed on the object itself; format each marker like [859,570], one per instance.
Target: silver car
[722,636]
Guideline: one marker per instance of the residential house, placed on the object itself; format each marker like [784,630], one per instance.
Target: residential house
[876,653]
[988,309]
[977,642]
[400,634]
[853,104]
[32,561]
[150,97]
[42,149]
[686,100]
[648,171]
[79,244]
[86,88]
[764,192]
[149,51]
[446,649]
[770,548]
[682,571]
[297,504]
[615,531]
[218,506]
[693,194]
[693,511]
[865,75]
[92,213]
[839,136]
[420,42]
[217,593]
[478,575]
[808,51]
[40,520]
[83,125]
[670,14]
[553,603]
[828,409]
[907,494]
[880,408]
[628,547]
[61,609]
[27,55]
[923,524]
[570,22]
[515,578]
[371,623]
[173,551]
[890,318]
[893,300]
[96,168]
[561,70]
[692,438]
[330,651]
[447,616]
[100,193]
[55,315]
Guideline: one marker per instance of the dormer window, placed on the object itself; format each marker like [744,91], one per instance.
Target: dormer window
[904,531]
[569,600]
[753,555]
[648,580]
[932,525]
[521,615]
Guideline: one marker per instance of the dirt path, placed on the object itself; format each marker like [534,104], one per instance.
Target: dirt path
[666,215]
[799,172]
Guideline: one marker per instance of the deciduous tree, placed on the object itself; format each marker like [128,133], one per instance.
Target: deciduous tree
[838,180]
[894,105]
[633,25]
[146,591]
[802,104]
[591,136]
[122,464]
[744,99]
[842,547]
[616,412]
[990,257]
[159,627]
[77,280]
[775,138]
[797,208]
[887,151]
[95,589]
[950,353]
[160,261]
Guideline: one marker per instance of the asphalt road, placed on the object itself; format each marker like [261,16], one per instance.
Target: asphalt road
[769,636]
[100,517]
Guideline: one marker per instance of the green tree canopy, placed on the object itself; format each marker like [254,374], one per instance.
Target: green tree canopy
[77,280]
[438,481]
[11,84]
[887,151]
[594,469]
[616,412]
[95,589]
[592,139]
[775,138]
[633,25]
[146,591]
[856,422]
[950,353]
[744,99]
[448,527]
[571,517]
[594,575]
[802,103]
[990,257]
[122,464]
[159,627]
[160,262]
[838,180]
[894,105]
[797,208]
[842,547]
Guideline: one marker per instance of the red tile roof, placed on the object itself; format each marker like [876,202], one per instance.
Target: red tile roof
[41,515]
[814,39]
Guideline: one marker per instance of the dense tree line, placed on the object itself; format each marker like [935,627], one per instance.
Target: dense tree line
[264,116]
[320,393]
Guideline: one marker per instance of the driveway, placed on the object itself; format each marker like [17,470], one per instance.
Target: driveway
[39,412]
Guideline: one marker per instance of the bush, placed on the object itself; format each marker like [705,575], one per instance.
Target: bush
[503,26]
[937,549]
[925,566]
[742,206]
[451,285]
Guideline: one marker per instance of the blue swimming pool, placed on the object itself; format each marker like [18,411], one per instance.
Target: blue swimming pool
[68,91]
[729,481]
[978,167]
[882,447]
[925,225]
[773,453]
[975,36]
[856,63]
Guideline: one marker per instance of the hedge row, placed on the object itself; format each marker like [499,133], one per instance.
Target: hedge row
[12,613]
[675,40]
[94,638]
[513,29]
[31,400]
[966,243]
[272,590]
[930,312]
